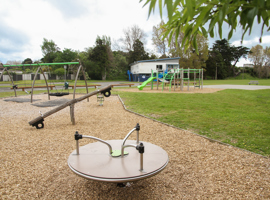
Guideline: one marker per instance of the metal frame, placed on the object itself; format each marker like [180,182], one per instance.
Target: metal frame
[39,68]
[5,69]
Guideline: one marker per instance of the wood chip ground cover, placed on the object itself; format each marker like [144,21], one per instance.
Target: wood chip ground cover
[34,162]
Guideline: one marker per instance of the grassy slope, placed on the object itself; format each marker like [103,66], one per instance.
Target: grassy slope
[237,117]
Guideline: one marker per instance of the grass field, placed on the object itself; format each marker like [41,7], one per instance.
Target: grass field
[237,117]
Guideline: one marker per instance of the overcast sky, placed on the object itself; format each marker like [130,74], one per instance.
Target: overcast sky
[75,24]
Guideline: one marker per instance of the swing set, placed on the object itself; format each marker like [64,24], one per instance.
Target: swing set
[39,65]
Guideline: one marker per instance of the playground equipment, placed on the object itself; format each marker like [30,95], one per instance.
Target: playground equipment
[13,85]
[129,75]
[40,69]
[38,122]
[100,99]
[115,164]
[176,77]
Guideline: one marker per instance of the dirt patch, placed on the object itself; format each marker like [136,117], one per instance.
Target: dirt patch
[34,162]
[191,90]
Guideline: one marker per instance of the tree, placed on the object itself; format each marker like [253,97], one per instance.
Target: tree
[256,55]
[100,56]
[59,72]
[119,66]
[239,52]
[190,17]
[49,50]
[230,54]
[260,59]
[215,65]
[160,44]
[138,53]
[267,56]
[131,34]
[67,55]
[27,61]
[189,58]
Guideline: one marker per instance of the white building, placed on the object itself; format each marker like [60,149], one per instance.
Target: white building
[248,65]
[141,70]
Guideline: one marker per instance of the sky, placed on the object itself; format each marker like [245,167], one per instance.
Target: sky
[75,24]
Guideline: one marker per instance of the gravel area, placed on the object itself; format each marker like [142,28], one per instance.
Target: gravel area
[34,162]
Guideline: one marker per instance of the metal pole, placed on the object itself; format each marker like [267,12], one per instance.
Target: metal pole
[77,147]
[42,64]
[141,161]
[188,79]
[137,136]
[202,78]
[32,91]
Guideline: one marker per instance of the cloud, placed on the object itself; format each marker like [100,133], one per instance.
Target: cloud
[69,23]
[11,39]
[70,8]
[12,42]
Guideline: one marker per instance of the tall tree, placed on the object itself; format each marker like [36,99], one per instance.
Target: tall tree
[49,50]
[239,52]
[230,54]
[260,58]
[224,48]
[190,17]
[101,57]
[160,44]
[189,58]
[138,53]
[215,65]
[256,55]
[131,34]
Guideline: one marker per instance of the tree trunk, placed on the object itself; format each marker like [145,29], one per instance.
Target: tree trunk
[104,74]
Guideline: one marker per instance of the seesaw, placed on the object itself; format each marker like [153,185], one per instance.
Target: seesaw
[111,161]
[38,122]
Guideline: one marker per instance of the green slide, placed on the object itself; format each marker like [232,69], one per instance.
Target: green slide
[140,87]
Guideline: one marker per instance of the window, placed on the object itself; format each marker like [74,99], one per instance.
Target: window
[172,66]
[159,67]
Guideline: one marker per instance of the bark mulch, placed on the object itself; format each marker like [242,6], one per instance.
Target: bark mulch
[34,162]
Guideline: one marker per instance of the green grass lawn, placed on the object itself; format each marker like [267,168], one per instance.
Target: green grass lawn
[237,117]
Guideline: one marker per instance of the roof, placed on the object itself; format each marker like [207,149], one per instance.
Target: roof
[154,60]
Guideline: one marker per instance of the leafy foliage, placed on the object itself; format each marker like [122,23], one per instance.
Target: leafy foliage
[67,55]
[49,50]
[131,34]
[190,17]
[221,57]
[138,53]
[261,60]
[100,56]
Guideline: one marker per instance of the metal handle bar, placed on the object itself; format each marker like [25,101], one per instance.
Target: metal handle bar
[78,136]
[137,127]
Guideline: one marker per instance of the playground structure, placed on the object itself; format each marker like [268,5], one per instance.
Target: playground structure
[95,162]
[38,122]
[175,77]
[39,65]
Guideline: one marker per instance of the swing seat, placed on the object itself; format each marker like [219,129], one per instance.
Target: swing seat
[59,94]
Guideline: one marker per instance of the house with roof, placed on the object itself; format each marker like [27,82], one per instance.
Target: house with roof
[141,70]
